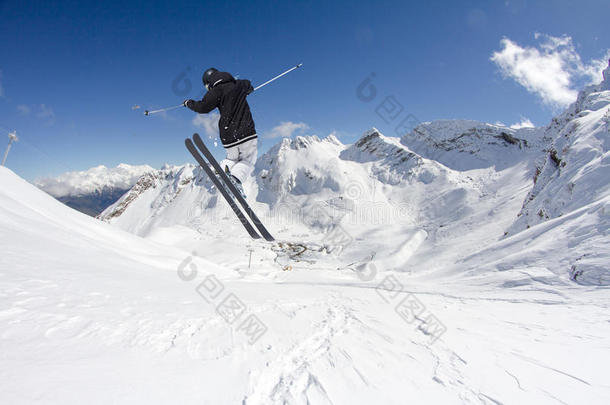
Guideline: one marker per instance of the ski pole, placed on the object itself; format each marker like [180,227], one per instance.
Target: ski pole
[256,88]
[278,76]
[162,109]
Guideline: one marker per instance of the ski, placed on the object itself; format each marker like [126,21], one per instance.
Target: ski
[206,152]
[244,221]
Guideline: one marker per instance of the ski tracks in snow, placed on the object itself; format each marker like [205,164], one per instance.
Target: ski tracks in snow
[291,378]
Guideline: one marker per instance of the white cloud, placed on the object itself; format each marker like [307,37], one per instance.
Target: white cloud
[209,123]
[24,109]
[524,123]
[553,71]
[287,129]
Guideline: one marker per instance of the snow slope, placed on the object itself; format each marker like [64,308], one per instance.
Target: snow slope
[90,313]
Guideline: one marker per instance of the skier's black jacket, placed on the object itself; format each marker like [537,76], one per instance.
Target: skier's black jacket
[229,95]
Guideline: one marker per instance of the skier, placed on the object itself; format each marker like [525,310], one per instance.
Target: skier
[236,125]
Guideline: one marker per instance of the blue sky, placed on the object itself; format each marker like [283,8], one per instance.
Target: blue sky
[71,72]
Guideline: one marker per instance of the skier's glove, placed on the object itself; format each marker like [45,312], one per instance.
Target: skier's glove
[188,103]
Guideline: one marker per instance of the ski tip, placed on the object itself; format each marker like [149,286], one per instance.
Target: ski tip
[146,112]
[299,65]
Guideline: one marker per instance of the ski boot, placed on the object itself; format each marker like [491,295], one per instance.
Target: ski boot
[235,182]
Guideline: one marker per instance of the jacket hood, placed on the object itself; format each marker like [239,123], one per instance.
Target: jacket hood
[220,77]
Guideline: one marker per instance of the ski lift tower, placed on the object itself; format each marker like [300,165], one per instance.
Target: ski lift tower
[12,137]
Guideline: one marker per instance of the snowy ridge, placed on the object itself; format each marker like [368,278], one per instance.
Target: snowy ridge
[300,166]
[94,180]
[145,204]
[572,182]
[182,175]
[575,170]
[393,156]
[465,145]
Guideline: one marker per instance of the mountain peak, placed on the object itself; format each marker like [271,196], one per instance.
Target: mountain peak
[304,142]
[368,137]
[300,142]
[333,139]
[591,98]
[371,132]
[374,146]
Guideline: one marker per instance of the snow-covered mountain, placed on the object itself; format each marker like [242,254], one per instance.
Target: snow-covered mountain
[93,190]
[372,199]
[465,145]
[440,187]
[567,209]
[305,187]
[576,166]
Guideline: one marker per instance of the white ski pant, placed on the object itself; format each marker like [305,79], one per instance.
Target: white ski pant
[241,159]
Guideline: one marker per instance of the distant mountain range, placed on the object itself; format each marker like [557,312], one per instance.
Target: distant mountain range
[93,190]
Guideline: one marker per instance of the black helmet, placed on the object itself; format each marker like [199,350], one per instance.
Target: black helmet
[207,77]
